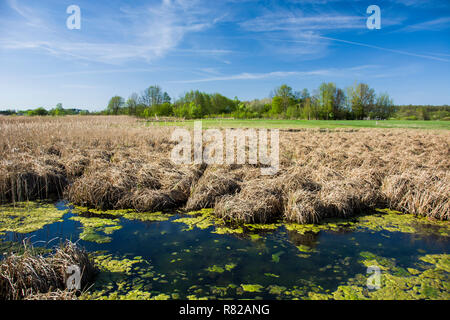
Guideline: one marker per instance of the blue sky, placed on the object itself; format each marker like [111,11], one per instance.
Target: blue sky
[237,48]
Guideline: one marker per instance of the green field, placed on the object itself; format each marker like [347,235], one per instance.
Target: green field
[298,124]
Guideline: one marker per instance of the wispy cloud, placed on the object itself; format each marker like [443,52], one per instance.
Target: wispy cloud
[412,54]
[315,20]
[335,72]
[154,32]
[360,44]
[290,21]
[431,25]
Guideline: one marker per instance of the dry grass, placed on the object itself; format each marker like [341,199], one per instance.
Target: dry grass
[259,201]
[214,184]
[117,162]
[35,276]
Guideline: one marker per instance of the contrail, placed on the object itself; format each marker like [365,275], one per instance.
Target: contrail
[385,49]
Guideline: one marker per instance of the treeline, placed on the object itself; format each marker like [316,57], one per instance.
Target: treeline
[411,112]
[56,111]
[154,102]
[328,102]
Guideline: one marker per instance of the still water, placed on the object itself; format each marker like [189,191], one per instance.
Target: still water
[179,256]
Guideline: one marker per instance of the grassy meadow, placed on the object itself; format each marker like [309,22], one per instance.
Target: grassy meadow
[303,124]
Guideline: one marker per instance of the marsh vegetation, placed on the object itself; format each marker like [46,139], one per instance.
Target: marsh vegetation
[281,223]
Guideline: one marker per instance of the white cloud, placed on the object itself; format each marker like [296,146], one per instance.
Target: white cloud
[331,72]
[144,33]
[431,25]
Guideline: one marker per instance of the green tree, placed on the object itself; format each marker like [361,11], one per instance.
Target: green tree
[277,105]
[114,105]
[362,100]
[132,104]
[286,95]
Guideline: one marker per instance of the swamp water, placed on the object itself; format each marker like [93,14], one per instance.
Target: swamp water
[195,256]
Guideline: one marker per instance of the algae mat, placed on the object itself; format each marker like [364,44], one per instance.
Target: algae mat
[196,256]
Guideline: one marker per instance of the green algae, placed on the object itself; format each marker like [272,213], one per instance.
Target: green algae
[255,237]
[128,214]
[381,220]
[216,269]
[276,256]
[230,266]
[228,230]
[252,287]
[440,261]
[327,225]
[276,290]
[220,291]
[395,221]
[262,227]
[271,275]
[429,281]
[95,229]
[27,217]
[198,219]
[220,269]
[204,219]
[109,263]
[304,248]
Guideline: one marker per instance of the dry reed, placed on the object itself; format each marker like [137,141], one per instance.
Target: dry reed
[33,275]
[118,162]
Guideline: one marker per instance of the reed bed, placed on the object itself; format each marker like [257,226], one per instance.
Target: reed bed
[30,275]
[118,162]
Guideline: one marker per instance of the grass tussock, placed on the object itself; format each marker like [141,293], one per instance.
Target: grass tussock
[420,193]
[259,201]
[22,179]
[119,162]
[214,184]
[30,275]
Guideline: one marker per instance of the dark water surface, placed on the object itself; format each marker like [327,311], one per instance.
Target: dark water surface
[198,263]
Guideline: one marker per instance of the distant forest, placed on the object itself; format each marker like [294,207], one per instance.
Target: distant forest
[327,102]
